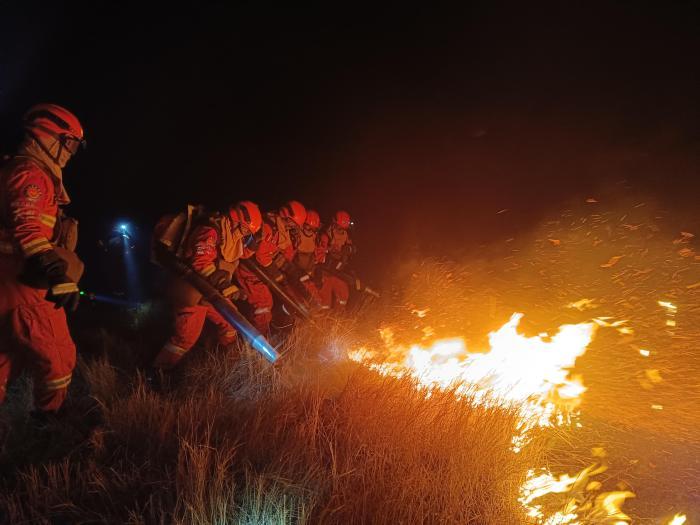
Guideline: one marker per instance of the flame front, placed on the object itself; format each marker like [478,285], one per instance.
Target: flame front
[532,374]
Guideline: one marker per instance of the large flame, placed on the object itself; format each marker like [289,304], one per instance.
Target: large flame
[532,374]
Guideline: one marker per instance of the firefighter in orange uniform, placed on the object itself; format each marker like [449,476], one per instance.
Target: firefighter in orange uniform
[212,248]
[38,276]
[305,256]
[274,254]
[334,251]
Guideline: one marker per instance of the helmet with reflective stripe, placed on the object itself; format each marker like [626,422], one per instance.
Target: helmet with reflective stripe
[313,220]
[295,211]
[342,220]
[50,120]
[248,214]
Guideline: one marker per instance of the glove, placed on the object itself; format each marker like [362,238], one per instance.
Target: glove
[48,270]
[220,279]
[64,293]
[292,272]
[41,268]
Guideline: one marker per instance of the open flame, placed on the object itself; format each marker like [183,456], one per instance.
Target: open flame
[532,374]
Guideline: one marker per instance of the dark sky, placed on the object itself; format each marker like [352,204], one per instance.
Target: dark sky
[422,123]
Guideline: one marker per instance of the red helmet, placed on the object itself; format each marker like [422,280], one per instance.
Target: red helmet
[342,220]
[248,214]
[313,220]
[295,211]
[50,120]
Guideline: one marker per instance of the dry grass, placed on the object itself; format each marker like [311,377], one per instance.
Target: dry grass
[314,440]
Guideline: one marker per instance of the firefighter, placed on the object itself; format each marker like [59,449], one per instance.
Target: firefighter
[274,253]
[38,269]
[212,248]
[306,247]
[333,255]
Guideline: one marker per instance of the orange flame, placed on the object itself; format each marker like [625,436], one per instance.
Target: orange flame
[530,373]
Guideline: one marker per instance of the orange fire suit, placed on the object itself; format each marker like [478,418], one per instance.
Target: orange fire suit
[258,295]
[275,252]
[203,251]
[33,332]
[305,259]
[334,245]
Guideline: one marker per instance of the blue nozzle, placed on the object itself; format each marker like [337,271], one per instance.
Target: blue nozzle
[266,349]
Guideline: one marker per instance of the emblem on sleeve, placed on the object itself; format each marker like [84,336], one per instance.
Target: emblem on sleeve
[32,192]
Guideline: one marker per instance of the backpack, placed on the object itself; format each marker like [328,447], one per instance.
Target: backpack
[172,231]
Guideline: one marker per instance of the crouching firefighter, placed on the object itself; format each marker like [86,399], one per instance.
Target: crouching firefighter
[305,253]
[38,270]
[333,257]
[210,244]
[272,271]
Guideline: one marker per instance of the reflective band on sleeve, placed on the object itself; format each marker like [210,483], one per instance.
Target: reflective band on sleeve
[174,349]
[36,246]
[304,278]
[47,220]
[58,384]
[338,266]
[229,291]
[342,303]
[262,311]
[206,272]
[64,288]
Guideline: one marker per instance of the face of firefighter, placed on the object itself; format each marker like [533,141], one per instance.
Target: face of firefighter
[61,149]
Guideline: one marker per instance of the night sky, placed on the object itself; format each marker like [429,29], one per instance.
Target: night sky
[422,123]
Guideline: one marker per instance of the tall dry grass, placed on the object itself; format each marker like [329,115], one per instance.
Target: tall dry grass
[316,439]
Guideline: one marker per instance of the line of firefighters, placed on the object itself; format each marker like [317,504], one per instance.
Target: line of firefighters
[251,257]
[244,254]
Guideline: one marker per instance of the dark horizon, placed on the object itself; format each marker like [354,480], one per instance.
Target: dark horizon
[422,124]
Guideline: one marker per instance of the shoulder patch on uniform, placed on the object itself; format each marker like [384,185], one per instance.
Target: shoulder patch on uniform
[32,192]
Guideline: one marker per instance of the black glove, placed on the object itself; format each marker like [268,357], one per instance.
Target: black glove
[48,270]
[220,279]
[292,271]
[41,268]
[274,273]
[64,293]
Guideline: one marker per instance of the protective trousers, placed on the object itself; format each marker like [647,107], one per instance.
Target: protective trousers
[190,313]
[33,336]
[334,288]
[259,298]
